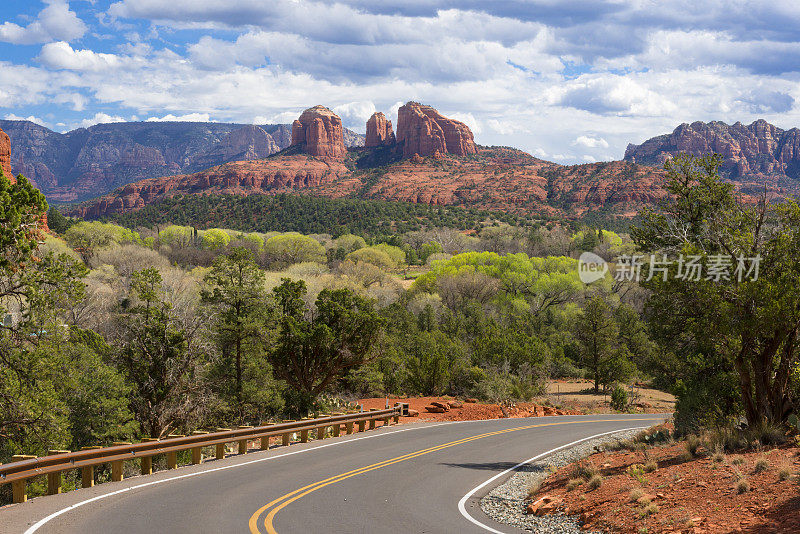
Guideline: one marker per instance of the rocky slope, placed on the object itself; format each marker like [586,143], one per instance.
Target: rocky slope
[87,162]
[759,150]
[379,131]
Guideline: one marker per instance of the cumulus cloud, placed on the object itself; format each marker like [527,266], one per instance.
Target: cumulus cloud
[101,118]
[590,142]
[61,55]
[54,22]
[31,118]
[355,114]
[189,117]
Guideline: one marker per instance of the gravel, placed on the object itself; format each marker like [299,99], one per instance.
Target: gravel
[506,503]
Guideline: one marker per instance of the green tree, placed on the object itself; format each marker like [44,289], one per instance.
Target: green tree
[750,323]
[288,249]
[314,349]
[602,354]
[240,314]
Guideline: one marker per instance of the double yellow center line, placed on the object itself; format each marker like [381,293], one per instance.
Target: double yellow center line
[281,502]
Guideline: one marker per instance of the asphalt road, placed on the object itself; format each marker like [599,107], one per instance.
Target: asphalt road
[405,478]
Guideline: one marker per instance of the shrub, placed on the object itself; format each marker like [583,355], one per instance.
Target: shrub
[584,470]
[636,494]
[784,473]
[650,466]
[738,461]
[619,398]
[742,486]
[761,465]
[574,483]
[718,456]
[595,482]
[650,509]
[693,444]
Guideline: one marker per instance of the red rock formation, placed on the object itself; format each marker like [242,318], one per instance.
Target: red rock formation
[379,131]
[759,149]
[5,154]
[423,130]
[319,132]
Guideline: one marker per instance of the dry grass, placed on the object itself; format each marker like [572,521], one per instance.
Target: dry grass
[595,482]
[650,466]
[650,509]
[574,483]
[635,494]
[693,444]
[784,473]
[742,486]
[761,465]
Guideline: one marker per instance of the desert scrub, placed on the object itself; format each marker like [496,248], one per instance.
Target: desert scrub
[693,444]
[534,488]
[650,466]
[635,494]
[742,486]
[574,483]
[595,482]
[738,461]
[636,471]
[761,465]
[584,470]
[784,473]
[650,509]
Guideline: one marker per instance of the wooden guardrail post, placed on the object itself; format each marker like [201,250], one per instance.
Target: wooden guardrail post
[54,479]
[87,471]
[18,487]
[361,425]
[372,421]
[220,452]
[348,427]
[304,436]
[147,461]
[197,452]
[243,442]
[322,431]
[172,456]
[117,472]
[286,437]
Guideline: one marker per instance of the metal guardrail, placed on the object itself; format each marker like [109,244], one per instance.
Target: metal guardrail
[23,468]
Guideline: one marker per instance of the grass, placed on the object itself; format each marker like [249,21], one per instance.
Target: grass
[635,494]
[595,482]
[650,466]
[742,486]
[784,473]
[761,465]
[693,444]
[650,509]
[738,461]
[574,483]
[719,454]
[534,487]
[584,470]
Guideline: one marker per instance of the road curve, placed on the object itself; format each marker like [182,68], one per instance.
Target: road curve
[406,478]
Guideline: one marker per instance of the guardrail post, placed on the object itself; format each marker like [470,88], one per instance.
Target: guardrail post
[386,421]
[147,461]
[286,438]
[87,471]
[54,479]
[220,452]
[172,456]
[321,431]
[18,487]
[337,430]
[243,442]
[348,427]
[304,436]
[117,472]
[197,452]
[361,425]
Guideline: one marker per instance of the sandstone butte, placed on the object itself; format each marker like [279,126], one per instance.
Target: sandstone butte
[5,155]
[5,164]
[319,133]
[379,131]
[424,131]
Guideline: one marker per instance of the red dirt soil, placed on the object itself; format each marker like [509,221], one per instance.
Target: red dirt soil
[469,411]
[694,496]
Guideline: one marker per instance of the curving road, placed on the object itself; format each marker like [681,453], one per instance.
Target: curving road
[406,478]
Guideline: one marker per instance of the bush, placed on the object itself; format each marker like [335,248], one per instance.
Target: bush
[619,398]
[595,482]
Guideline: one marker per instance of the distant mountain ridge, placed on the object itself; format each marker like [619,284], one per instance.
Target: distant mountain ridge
[757,150]
[88,162]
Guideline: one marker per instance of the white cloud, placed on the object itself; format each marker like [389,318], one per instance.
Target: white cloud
[189,117]
[101,118]
[31,118]
[468,119]
[61,55]
[54,22]
[590,142]
[355,114]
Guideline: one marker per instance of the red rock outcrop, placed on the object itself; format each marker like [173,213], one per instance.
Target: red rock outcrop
[423,130]
[5,154]
[759,149]
[273,175]
[319,132]
[379,131]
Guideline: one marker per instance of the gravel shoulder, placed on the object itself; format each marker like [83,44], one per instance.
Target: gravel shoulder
[506,503]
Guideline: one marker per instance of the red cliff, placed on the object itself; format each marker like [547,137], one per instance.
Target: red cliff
[5,154]
[379,131]
[319,132]
[423,130]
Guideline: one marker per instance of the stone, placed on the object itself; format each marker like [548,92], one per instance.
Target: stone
[471,400]
[424,131]
[444,405]
[379,131]
[413,413]
[435,409]
[455,404]
[5,155]
[319,133]
[543,506]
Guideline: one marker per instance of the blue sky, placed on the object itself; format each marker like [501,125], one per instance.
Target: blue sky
[569,81]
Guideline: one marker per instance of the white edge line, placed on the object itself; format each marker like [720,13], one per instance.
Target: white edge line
[39,524]
[470,493]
